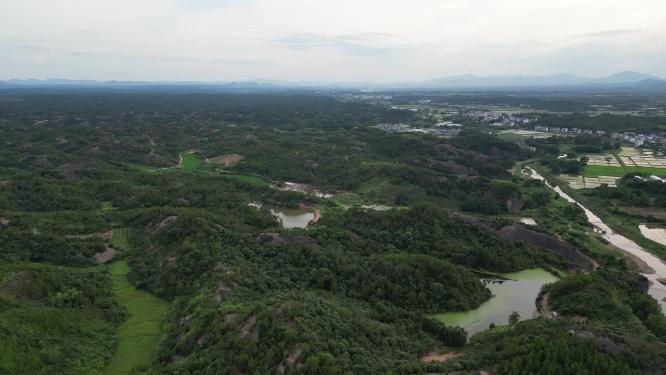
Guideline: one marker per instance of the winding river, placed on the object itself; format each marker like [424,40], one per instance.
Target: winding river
[658,267]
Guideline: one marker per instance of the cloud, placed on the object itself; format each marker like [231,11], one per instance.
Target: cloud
[608,33]
[327,39]
[362,44]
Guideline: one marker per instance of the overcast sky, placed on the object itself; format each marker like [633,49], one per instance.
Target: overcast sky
[327,40]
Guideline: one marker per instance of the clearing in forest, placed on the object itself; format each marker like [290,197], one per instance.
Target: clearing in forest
[190,162]
[228,160]
[139,335]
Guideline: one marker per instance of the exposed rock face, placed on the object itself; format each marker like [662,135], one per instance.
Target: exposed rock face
[106,255]
[163,224]
[515,202]
[518,232]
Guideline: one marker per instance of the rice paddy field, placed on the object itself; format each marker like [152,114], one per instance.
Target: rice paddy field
[620,171]
[629,160]
[605,160]
[582,182]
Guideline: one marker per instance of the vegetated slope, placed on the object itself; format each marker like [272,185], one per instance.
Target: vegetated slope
[353,294]
[246,288]
[55,319]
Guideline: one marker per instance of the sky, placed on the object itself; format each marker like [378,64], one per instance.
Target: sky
[328,40]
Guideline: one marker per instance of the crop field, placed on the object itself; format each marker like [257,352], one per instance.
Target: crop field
[607,160]
[139,335]
[581,182]
[614,171]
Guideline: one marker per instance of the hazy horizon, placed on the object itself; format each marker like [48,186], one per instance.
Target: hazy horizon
[327,41]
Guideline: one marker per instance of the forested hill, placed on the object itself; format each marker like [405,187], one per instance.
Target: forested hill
[184,191]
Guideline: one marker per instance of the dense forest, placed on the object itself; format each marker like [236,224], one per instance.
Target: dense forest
[164,182]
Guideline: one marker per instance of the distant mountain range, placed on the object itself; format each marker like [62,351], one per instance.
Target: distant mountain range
[557,80]
[627,80]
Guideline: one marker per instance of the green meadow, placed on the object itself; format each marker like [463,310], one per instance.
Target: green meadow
[191,162]
[139,335]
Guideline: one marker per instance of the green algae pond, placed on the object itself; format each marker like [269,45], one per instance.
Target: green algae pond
[518,294]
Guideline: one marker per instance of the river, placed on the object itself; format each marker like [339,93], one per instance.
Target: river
[658,267]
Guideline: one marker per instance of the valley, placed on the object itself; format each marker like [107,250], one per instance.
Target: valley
[287,233]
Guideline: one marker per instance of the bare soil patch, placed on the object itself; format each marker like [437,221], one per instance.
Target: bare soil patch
[519,232]
[228,160]
[438,357]
[106,255]
[655,234]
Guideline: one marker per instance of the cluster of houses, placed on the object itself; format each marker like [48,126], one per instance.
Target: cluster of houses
[451,130]
[633,138]
[571,131]
[640,139]
[498,119]
[448,124]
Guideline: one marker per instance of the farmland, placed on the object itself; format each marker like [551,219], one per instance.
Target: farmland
[620,171]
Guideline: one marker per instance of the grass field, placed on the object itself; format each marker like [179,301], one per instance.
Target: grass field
[139,335]
[603,170]
[119,239]
[191,162]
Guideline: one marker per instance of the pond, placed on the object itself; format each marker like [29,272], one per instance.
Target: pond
[517,294]
[295,217]
[292,217]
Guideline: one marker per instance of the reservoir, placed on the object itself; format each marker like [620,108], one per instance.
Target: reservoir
[294,217]
[517,294]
